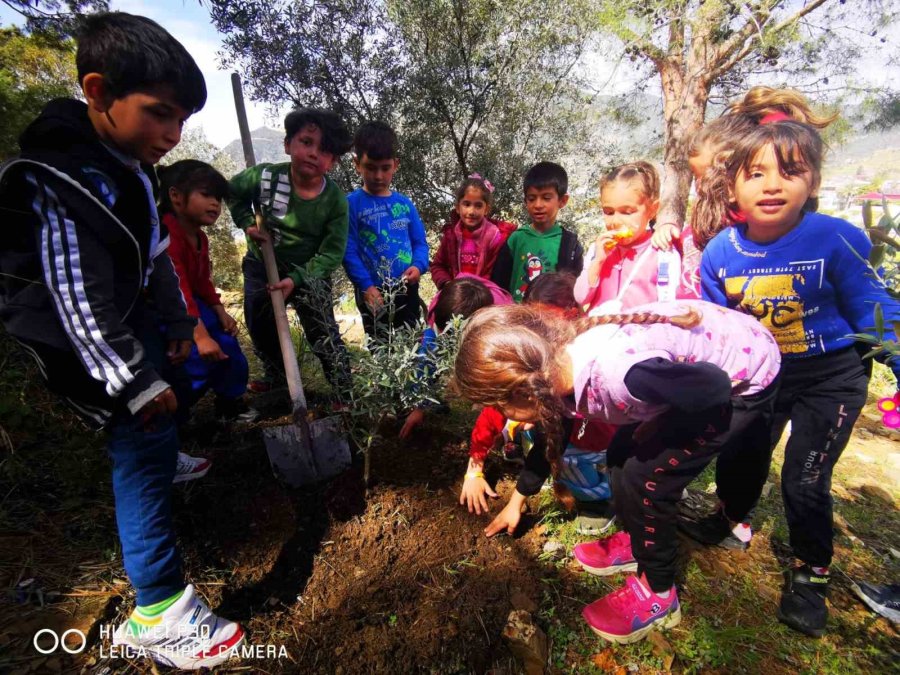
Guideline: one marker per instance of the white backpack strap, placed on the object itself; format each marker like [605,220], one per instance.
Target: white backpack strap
[668,275]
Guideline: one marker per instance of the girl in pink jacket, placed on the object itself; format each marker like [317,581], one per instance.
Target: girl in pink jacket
[622,269]
[471,241]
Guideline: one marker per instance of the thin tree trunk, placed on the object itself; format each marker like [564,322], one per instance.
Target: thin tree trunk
[684,107]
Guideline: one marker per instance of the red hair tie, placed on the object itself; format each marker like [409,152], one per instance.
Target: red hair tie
[776,116]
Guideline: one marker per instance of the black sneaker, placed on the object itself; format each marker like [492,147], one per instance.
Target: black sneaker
[235,410]
[713,530]
[802,605]
[884,600]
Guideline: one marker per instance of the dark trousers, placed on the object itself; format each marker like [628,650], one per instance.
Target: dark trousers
[822,398]
[406,311]
[648,477]
[315,310]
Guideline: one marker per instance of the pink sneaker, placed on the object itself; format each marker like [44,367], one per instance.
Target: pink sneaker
[628,614]
[607,556]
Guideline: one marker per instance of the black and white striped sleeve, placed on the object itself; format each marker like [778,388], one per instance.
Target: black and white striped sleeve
[78,268]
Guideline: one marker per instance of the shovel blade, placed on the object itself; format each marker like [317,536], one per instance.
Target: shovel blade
[299,463]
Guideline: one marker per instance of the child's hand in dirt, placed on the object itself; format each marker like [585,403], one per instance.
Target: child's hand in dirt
[508,519]
[412,275]
[474,493]
[210,350]
[257,235]
[178,351]
[286,286]
[164,403]
[229,325]
[373,298]
[664,235]
[414,419]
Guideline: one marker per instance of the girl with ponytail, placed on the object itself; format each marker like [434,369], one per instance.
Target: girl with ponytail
[683,380]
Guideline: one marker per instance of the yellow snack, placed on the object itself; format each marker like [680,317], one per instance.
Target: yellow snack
[618,236]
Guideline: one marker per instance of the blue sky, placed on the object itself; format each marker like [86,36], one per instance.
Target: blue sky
[189,22]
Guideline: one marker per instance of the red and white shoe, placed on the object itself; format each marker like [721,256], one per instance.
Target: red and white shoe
[190,468]
[187,635]
[607,556]
[628,614]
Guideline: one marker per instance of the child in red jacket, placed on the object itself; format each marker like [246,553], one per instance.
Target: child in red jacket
[583,464]
[471,241]
[192,194]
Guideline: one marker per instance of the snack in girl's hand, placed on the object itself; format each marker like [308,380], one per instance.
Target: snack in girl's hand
[619,235]
[890,411]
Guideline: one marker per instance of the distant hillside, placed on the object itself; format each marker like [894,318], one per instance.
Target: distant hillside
[268,145]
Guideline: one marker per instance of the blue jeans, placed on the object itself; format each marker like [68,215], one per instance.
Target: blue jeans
[227,378]
[143,468]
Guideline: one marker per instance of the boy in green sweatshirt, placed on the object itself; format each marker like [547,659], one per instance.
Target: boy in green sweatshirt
[545,246]
[306,216]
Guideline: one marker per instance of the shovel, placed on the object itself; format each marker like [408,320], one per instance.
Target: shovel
[301,452]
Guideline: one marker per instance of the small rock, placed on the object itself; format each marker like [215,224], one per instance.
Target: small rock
[526,641]
[519,600]
[864,434]
[895,553]
[767,489]
[878,494]
[555,549]
[359,572]
[662,648]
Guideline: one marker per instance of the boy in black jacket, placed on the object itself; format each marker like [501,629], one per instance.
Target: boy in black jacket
[85,284]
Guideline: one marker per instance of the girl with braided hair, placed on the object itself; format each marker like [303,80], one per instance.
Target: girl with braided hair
[681,379]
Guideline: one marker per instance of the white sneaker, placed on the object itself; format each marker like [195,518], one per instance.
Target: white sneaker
[190,468]
[187,635]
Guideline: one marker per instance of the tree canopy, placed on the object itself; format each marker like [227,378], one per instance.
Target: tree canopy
[33,69]
[470,86]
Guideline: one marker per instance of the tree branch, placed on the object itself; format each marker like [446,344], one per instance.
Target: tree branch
[731,52]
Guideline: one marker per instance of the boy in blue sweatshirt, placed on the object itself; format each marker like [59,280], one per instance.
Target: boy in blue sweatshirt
[386,243]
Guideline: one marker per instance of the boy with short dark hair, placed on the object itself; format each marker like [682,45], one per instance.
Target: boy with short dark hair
[386,244]
[545,246]
[85,283]
[306,217]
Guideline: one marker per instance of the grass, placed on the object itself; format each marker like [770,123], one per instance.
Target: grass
[729,600]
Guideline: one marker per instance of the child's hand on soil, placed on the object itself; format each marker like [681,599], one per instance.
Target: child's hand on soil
[373,298]
[508,519]
[210,350]
[474,493]
[414,419]
[257,235]
[664,235]
[178,351]
[411,275]
[286,286]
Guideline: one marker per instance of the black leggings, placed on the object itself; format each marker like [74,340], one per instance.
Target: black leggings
[648,477]
[822,397]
